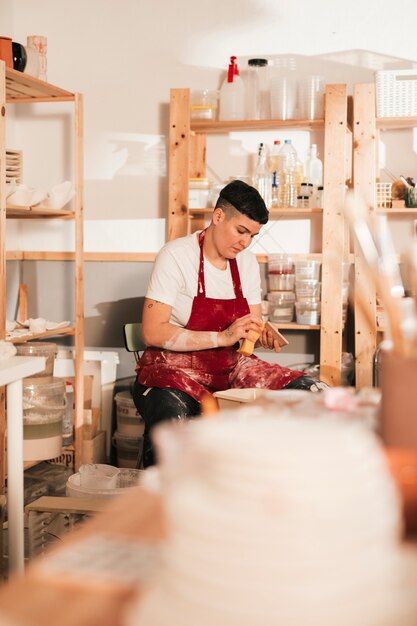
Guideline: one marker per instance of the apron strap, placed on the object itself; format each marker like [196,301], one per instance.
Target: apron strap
[237,285]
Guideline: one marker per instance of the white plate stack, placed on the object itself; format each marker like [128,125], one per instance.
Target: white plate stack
[274,521]
[13,166]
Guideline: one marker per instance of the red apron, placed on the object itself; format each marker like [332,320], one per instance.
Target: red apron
[215,369]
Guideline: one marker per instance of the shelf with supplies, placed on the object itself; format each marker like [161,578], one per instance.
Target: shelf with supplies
[187,160]
[19,88]
[367,128]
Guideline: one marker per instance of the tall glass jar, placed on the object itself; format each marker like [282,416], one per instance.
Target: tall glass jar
[257,90]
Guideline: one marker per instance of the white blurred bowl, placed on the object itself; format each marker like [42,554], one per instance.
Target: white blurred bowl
[26,196]
[59,195]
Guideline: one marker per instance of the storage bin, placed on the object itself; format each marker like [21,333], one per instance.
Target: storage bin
[383,195]
[308,312]
[307,289]
[129,420]
[128,449]
[307,270]
[396,93]
[280,264]
[40,348]
[43,412]
[281,306]
[281,282]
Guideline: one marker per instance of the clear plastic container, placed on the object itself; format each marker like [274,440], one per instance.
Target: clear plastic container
[280,264]
[308,312]
[281,306]
[232,94]
[128,449]
[307,270]
[262,178]
[281,282]
[311,98]
[307,289]
[68,421]
[126,478]
[204,104]
[43,413]
[40,348]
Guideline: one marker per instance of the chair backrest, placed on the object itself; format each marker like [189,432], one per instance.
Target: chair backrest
[132,334]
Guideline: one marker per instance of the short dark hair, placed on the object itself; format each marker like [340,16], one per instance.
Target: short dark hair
[245,199]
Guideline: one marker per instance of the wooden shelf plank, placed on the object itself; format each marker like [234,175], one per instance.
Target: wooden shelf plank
[104,257]
[404,211]
[60,332]
[217,126]
[295,326]
[37,212]
[282,212]
[395,123]
[21,87]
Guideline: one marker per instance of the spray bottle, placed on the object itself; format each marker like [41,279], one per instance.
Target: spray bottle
[232,94]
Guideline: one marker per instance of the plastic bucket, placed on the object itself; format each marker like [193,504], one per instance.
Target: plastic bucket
[129,421]
[43,412]
[40,348]
[128,449]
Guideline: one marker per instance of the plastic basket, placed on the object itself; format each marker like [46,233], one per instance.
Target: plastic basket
[383,195]
[396,93]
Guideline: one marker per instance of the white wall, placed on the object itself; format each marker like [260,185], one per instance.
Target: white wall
[124,57]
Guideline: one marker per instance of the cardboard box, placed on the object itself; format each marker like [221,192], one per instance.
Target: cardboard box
[94,450]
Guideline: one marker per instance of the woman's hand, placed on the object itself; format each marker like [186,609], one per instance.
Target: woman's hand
[246,327]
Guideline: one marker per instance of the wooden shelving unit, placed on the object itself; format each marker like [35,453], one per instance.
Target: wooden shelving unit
[366,130]
[187,159]
[15,88]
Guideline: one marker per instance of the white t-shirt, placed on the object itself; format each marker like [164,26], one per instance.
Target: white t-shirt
[175,276]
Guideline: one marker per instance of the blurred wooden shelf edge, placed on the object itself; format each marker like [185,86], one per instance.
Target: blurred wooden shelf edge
[17,87]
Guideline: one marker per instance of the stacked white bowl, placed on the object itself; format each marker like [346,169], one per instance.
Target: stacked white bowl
[276,521]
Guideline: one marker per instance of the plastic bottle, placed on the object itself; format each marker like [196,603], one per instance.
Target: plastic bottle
[276,191]
[257,92]
[314,167]
[262,179]
[232,94]
[290,176]
[275,159]
[68,421]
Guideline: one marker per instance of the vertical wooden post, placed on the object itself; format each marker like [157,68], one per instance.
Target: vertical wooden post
[79,278]
[364,175]
[197,169]
[23,302]
[333,244]
[178,162]
[2,258]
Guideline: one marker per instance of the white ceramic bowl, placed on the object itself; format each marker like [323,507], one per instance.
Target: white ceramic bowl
[59,195]
[26,196]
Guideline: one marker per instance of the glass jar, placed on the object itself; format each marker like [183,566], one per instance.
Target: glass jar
[257,90]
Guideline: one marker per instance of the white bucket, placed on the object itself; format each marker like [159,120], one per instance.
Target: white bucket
[129,421]
[128,449]
[43,411]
